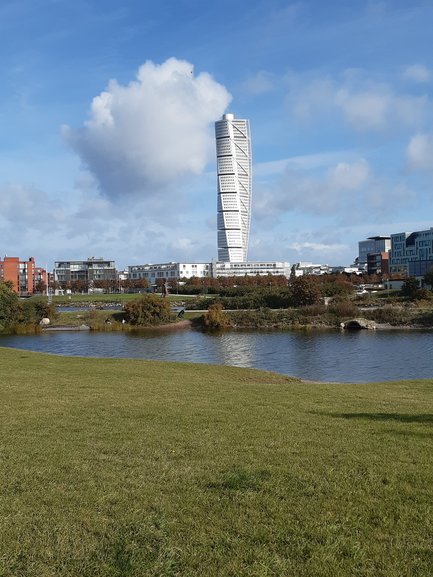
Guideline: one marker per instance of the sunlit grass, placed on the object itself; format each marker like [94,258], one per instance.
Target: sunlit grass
[78,299]
[115,467]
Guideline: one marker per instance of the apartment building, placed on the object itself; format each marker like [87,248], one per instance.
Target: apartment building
[25,276]
[169,270]
[86,271]
[274,268]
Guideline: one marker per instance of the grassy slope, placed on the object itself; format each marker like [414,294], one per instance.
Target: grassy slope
[134,468]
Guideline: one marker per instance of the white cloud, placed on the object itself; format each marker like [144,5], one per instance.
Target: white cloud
[302,162]
[364,110]
[29,206]
[379,109]
[419,152]
[261,83]
[348,176]
[417,73]
[318,247]
[145,136]
[365,105]
[35,224]
[344,191]
[337,189]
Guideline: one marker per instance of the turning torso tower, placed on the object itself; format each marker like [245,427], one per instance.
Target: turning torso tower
[233,148]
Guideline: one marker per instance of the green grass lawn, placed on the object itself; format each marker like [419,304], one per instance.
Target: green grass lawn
[122,468]
[87,299]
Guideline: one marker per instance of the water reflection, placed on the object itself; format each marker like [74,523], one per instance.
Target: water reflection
[327,356]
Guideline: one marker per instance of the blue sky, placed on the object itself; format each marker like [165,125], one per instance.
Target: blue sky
[107,112]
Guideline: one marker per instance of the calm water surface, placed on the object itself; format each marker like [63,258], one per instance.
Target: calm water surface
[360,356]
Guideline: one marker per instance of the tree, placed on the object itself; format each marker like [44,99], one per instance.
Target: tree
[10,306]
[147,310]
[304,291]
[40,287]
[428,278]
[79,286]
[410,287]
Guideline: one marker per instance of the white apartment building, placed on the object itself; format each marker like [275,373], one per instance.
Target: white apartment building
[233,150]
[180,270]
[168,270]
[250,268]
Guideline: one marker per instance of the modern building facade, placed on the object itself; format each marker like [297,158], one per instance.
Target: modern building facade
[181,271]
[25,276]
[234,188]
[86,271]
[411,253]
[373,245]
[378,263]
[225,269]
[169,270]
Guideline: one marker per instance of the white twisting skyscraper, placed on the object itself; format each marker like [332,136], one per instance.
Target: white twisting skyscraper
[233,148]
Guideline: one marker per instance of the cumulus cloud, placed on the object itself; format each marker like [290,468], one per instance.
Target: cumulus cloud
[419,152]
[143,137]
[417,73]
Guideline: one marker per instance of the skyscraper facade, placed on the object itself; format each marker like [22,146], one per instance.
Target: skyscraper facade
[233,149]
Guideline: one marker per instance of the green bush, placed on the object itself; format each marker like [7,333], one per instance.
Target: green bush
[10,306]
[15,312]
[35,309]
[147,310]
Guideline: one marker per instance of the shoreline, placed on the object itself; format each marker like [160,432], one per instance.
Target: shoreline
[187,324]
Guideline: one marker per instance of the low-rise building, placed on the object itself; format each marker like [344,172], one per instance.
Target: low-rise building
[309,268]
[169,270]
[180,270]
[225,269]
[86,271]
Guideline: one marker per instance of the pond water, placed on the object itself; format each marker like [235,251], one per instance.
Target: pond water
[359,356]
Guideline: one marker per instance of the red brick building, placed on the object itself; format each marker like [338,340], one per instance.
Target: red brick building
[25,277]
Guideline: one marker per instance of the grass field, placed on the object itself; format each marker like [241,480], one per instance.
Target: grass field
[129,468]
[107,320]
[87,299]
